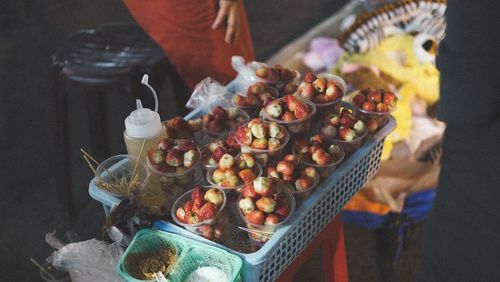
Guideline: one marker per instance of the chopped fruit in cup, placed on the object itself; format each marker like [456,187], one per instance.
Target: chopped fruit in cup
[179,128]
[275,74]
[171,154]
[300,177]
[201,206]
[223,119]
[261,135]
[322,88]
[316,153]
[371,100]
[344,126]
[288,108]
[234,172]
[258,95]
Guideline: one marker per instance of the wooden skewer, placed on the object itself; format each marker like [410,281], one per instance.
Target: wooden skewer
[139,157]
[98,163]
[42,269]
[90,165]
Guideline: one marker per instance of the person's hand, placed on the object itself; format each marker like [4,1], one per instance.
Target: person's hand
[229,14]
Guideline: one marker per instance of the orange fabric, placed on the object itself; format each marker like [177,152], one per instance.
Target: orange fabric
[364,201]
[183,29]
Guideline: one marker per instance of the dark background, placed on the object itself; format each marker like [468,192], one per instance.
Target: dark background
[29,33]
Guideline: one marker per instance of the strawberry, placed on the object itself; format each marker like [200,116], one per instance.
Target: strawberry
[347,121]
[214,196]
[359,127]
[359,99]
[244,135]
[382,108]
[262,186]
[186,145]
[287,116]
[333,119]
[195,124]
[271,172]
[289,88]
[239,100]
[177,123]
[207,211]
[164,144]
[246,160]
[289,158]
[231,142]
[282,211]
[256,217]
[287,74]
[246,205]
[274,109]
[261,72]
[260,143]
[231,181]
[189,158]
[303,183]
[197,204]
[389,99]
[181,215]
[272,219]
[317,139]
[289,178]
[345,112]
[301,111]
[301,146]
[307,91]
[320,85]
[273,143]
[311,172]
[197,193]
[156,157]
[258,130]
[249,191]
[246,175]
[226,161]
[188,206]
[291,102]
[285,168]
[310,77]
[174,157]
[329,131]
[191,218]
[266,204]
[368,106]
[347,134]
[220,111]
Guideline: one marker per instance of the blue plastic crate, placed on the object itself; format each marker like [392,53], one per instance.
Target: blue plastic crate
[308,220]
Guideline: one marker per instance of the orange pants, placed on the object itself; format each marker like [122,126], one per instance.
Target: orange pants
[183,29]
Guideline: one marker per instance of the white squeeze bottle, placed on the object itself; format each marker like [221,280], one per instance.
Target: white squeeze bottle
[143,126]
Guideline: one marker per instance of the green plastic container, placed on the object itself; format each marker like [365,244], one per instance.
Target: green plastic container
[191,255]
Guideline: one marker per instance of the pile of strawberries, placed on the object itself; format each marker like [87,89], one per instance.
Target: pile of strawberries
[261,203]
[288,108]
[233,172]
[275,74]
[220,119]
[288,171]
[319,90]
[261,135]
[316,151]
[258,95]
[211,151]
[202,206]
[375,100]
[173,155]
[179,128]
[343,126]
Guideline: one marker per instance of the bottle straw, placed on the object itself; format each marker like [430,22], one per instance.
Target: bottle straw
[144,81]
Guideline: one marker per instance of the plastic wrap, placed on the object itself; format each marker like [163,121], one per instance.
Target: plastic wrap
[209,94]
[87,261]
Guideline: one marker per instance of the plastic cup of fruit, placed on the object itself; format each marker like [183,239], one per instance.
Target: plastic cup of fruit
[278,84]
[348,146]
[115,168]
[301,195]
[253,111]
[299,126]
[196,228]
[262,233]
[323,170]
[335,104]
[266,156]
[381,117]
[242,116]
[175,183]
[256,169]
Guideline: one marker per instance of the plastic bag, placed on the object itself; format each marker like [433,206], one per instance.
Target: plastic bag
[87,261]
[323,54]
[209,94]
[246,74]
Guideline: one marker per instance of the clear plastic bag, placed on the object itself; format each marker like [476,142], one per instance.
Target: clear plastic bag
[209,94]
[87,261]
[246,74]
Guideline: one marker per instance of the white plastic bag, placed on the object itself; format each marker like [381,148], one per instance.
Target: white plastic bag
[209,94]
[87,261]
